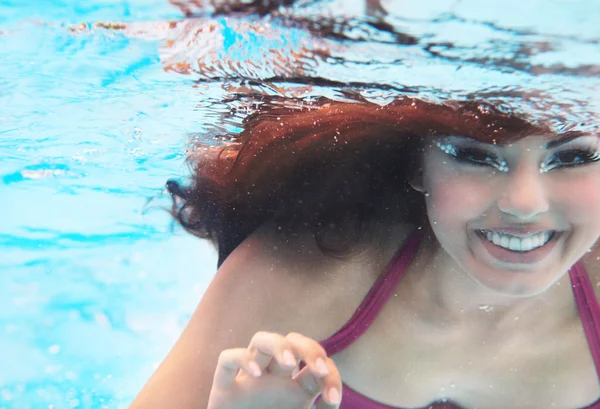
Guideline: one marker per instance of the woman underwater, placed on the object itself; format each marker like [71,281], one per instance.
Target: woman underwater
[412,255]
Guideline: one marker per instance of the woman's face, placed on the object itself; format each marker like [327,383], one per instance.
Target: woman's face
[514,217]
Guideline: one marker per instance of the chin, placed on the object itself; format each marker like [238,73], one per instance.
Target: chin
[506,284]
[514,282]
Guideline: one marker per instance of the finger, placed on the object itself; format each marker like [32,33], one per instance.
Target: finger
[308,382]
[273,353]
[330,386]
[309,351]
[230,362]
[286,369]
[323,404]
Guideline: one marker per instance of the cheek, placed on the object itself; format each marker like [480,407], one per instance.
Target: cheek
[580,200]
[457,200]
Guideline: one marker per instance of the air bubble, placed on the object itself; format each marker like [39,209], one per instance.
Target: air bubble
[484,109]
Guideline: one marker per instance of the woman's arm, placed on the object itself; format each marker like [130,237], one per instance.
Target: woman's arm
[256,288]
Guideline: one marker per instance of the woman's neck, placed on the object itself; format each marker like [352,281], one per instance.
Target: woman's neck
[439,290]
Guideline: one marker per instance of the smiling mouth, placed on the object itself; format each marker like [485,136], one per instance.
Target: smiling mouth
[516,244]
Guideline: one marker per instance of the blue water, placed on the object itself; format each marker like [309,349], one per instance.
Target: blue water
[94,286]
[92,292]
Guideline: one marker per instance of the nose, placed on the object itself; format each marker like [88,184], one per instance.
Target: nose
[524,195]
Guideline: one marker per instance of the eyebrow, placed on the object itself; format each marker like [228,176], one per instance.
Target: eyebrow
[561,141]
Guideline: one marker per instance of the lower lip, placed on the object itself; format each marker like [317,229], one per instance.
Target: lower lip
[514,257]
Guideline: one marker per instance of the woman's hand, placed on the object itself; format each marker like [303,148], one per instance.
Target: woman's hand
[278,383]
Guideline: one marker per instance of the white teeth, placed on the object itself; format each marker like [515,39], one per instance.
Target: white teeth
[515,244]
[518,243]
[527,243]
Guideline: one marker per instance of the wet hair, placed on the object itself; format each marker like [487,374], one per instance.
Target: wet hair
[334,168]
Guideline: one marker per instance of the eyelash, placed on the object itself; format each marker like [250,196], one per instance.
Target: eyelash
[580,157]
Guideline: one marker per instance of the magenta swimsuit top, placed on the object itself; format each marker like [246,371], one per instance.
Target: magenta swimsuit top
[367,312]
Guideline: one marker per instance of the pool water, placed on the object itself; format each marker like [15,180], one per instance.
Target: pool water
[92,292]
[101,100]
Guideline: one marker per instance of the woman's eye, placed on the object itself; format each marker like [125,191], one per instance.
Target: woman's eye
[572,158]
[476,157]
[472,156]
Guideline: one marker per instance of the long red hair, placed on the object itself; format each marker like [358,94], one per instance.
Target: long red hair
[330,167]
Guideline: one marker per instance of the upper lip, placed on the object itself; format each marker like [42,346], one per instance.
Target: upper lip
[520,230]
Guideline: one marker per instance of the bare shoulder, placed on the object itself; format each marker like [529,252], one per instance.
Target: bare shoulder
[280,254]
[290,274]
[268,283]
[297,282]
[274,282]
